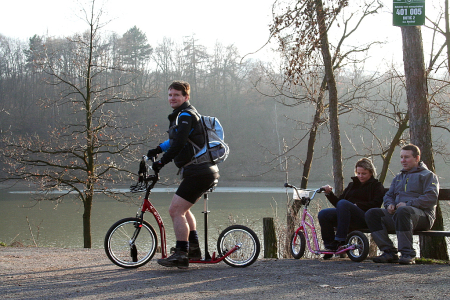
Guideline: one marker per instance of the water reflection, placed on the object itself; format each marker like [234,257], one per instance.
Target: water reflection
[60,225]
[48,224]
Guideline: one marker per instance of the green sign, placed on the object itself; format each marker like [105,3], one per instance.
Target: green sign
[409,12]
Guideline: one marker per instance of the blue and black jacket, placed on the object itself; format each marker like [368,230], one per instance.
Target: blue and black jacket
[177,147]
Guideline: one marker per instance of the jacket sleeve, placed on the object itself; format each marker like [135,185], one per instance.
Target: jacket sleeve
[332,198]
[374,197]
[335,199]
[389,197]
[165,145]
[180,139]
[428,199]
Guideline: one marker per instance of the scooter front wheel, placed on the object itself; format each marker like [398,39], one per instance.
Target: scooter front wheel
[361,243]
[298,243]
[129,244]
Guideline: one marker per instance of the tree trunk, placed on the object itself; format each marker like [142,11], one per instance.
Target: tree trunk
[333,101]
[312,138]
[87,220]
[403,125]
[291,221]
[373,248]
[420,125]
[417,92]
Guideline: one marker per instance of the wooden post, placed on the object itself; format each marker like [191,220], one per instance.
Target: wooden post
[270,238]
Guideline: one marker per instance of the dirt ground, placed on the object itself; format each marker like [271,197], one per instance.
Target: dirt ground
[53,273]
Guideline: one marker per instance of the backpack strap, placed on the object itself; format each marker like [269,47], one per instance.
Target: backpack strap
[201,123]
[196,147]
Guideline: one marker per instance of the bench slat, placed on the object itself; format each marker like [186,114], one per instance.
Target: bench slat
[433,233]
[426,232]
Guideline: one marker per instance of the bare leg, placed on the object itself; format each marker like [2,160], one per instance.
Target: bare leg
[190,218]
[178,210]
[182,217]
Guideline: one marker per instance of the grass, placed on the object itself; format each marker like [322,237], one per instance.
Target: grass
[430,261]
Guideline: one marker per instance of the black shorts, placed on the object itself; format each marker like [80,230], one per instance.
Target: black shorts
[193,187]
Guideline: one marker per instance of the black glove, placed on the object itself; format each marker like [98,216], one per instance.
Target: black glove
[157,166]
[154,152]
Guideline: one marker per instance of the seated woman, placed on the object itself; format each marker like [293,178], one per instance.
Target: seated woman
[363,193]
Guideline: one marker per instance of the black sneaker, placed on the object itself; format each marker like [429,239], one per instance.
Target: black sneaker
[335,245]
[327,256]
[386,257]
[194,251]
[406,260]
[178,259]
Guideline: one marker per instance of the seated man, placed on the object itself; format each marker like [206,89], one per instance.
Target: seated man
[410,204]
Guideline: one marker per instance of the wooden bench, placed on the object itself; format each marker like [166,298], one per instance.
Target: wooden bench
[444,195]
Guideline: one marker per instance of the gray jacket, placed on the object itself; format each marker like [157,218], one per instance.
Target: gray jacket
[418,187]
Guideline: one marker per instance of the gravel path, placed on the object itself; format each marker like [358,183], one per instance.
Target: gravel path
[53,273]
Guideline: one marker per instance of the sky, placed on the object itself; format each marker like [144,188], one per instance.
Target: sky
[239,22]
[244,23]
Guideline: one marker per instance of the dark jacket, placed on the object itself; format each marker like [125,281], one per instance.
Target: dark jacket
[180,150]
[365,196]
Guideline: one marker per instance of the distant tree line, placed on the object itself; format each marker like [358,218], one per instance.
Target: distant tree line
[239,92]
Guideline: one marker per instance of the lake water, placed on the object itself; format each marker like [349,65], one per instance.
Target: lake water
[60,225]
[47,224]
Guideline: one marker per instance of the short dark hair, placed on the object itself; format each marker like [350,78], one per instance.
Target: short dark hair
[415,150]
[181,86]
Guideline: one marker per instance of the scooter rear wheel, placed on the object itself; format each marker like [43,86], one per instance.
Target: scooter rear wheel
[246,239]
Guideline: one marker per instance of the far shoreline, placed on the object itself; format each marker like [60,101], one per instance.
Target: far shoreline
[222,187]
